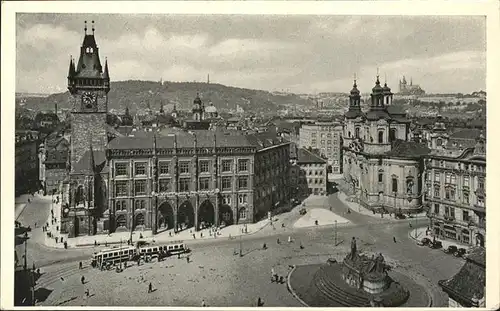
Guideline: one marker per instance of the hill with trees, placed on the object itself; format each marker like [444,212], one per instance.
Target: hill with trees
[137,95]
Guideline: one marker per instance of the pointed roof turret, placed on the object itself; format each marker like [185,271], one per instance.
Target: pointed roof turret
[106,70]
[354,103]
[161,107]
[91,164]
[71,71]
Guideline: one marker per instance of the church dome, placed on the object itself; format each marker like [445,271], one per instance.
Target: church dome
[386,89]
[355,90]
[377,89]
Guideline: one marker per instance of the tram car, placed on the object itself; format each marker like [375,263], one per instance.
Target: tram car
[113,256]
[150,251]
[142,249]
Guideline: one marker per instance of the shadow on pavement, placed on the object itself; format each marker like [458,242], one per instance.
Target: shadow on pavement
[41,294]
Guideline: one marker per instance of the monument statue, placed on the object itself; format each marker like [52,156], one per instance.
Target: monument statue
[353,248]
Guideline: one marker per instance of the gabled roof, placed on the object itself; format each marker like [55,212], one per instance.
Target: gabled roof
[304,156]
[469,283]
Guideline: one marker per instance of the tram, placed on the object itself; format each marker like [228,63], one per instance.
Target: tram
[143,250]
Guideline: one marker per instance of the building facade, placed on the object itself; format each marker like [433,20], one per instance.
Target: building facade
[26,162]
[382,166]
[455,179]
[193,179]
[326,137]
[310,173]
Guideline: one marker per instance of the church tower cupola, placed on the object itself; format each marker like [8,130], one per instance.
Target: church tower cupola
[354,102]
[198,108]
[377,96]
[387,94]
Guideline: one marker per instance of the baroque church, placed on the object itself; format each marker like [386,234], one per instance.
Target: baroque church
[381,164]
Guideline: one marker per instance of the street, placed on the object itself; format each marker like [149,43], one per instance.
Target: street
[222,278]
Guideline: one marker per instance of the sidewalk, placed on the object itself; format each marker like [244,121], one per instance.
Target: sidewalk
[147,235]
[420,233]
[323,216]
[355,207]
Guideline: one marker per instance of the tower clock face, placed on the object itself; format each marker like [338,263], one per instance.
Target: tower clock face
[89,99]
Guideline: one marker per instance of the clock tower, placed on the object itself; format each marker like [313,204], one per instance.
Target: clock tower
[88,83]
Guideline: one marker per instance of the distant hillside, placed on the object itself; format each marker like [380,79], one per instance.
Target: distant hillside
[136,95]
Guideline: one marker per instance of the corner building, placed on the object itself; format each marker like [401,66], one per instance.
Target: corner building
[382,166]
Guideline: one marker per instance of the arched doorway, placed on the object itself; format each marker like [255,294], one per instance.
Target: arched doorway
[206,214]
[165,217]
[185,216]
[121,222]
[139,221]
[479,239]
[226,215]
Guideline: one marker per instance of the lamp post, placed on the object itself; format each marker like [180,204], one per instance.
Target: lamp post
[335,232]
[241,247]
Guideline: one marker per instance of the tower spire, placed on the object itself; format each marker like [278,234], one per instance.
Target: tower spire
[106,70]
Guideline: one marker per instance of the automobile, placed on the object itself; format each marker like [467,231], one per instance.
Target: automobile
[435,244]
[451,249]
[302,211]
[400,216]
[424,241]
[461,252]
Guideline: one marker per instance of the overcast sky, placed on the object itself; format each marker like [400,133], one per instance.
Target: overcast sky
[302,54]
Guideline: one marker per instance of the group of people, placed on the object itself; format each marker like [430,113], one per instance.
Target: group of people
[275,278]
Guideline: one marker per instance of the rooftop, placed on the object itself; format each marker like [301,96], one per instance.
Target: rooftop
[408,149]
[304,156]
[469,283]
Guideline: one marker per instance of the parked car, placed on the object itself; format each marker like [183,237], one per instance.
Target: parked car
[452,249]
[435,244]
[400,216]
[461,252]
[424,241]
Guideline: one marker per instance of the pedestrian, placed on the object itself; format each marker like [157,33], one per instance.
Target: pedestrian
[38,271]
[264,246]
[35,224]
[409,224]
[394,238]
[80,265]
[289,239]
[301,246]
[57,239]
[282,225]
[187,259]
[194,236]
[203,304]
[259,302]
[170,233]
[150,287]
[95,243]
[201,234]
[29,200]
[178,255]
[140,236]
[87,292]
[278,241]
[82,279]
[34,267]
[282,280]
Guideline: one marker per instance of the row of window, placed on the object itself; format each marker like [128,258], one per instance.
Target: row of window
[320,172]
[121,205]
[140,188]
[451,178]
[450,194]
[392,135]
[450,212]
[121,169]
[323,135]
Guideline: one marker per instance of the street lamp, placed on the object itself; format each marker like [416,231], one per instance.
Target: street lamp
[335,232]
[241,247]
